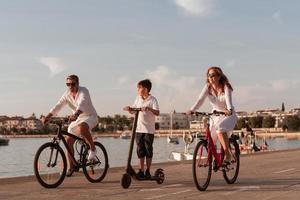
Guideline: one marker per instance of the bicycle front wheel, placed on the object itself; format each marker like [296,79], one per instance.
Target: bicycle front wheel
[231,172]
[96,169]
[202,166]
[50,165]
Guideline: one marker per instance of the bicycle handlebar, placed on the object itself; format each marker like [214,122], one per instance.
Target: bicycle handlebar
[135,109]
[216,113]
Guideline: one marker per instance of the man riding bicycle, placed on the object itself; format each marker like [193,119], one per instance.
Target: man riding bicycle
[83,119]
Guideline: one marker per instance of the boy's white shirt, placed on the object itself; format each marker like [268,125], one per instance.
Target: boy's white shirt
[146,119]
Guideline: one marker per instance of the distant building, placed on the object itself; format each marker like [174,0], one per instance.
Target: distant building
[295,111]
[268,112]
[242,114]
[178,120]
[18,122]
[197,124]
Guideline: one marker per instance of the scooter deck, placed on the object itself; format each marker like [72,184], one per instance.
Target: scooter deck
[152,178]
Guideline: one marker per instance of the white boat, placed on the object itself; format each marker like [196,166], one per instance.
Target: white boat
[125,134]
[179,156]
[3,140]
[173,139]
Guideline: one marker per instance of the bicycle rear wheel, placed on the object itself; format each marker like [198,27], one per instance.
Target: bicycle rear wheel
[231,171]
[50,165]
[202,166]
[96,170]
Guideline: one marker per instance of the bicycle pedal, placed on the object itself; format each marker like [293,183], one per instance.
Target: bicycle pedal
[76,168]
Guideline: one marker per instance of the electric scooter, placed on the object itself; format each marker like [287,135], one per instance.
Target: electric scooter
[159,175]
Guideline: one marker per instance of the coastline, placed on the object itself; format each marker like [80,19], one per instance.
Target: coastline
[16,179]
[164,133]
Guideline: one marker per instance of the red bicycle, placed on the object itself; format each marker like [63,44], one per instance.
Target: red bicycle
[207,158]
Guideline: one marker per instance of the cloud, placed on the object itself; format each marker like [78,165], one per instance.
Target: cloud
[284,85]
[230,64]
[55,65]
[277,17]
[122,80]
[197,7]
[174,91]
[249,97]
[264,95]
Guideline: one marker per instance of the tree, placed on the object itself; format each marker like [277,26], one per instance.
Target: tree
[268,122]
[293,123]
[282,107]
[241,123]
[256,122]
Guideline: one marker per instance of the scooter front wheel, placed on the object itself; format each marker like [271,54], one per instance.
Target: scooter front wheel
[160,176]
[126,180]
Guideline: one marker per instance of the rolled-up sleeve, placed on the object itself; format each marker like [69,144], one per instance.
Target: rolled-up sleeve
[59,105]
[228,98]
[201,99]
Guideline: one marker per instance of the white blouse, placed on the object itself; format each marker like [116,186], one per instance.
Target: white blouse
[218,103]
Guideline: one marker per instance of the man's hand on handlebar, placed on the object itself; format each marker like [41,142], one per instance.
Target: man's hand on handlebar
[46,119]
[72,118]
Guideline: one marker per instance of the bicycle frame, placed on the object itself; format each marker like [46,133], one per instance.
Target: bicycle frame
[212,149]
[60,137]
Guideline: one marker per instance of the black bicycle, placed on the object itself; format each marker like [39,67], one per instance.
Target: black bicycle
[50,164]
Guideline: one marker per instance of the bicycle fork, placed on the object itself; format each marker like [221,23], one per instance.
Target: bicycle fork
[51,157]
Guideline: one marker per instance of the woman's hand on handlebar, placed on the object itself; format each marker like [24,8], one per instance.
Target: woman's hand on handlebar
[228,112]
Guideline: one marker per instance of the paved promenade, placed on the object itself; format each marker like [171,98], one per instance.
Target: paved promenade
[263,176]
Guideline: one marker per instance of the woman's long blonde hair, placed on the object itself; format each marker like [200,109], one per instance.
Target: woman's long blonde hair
[223,81]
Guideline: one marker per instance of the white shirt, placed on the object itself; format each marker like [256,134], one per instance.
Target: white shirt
[218,103]
[81,102]
[146,119]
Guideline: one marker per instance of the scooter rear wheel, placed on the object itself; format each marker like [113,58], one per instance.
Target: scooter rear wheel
[160,176]
[126,181]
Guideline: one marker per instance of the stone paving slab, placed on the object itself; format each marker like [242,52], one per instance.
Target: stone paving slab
[263,176]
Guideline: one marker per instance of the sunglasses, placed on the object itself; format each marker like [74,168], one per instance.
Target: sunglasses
[212,75]
[71,84]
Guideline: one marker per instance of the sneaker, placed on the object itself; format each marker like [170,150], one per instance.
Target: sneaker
[92,155]
[147,174]
[141,174]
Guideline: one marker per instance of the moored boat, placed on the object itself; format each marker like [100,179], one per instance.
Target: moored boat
[3,140]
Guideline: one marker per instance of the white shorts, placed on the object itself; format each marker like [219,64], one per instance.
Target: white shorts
[222,123]
[91,121]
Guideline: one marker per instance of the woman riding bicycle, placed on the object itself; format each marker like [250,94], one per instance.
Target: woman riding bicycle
[218,90]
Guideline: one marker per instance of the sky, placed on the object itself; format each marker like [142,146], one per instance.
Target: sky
[111,45]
